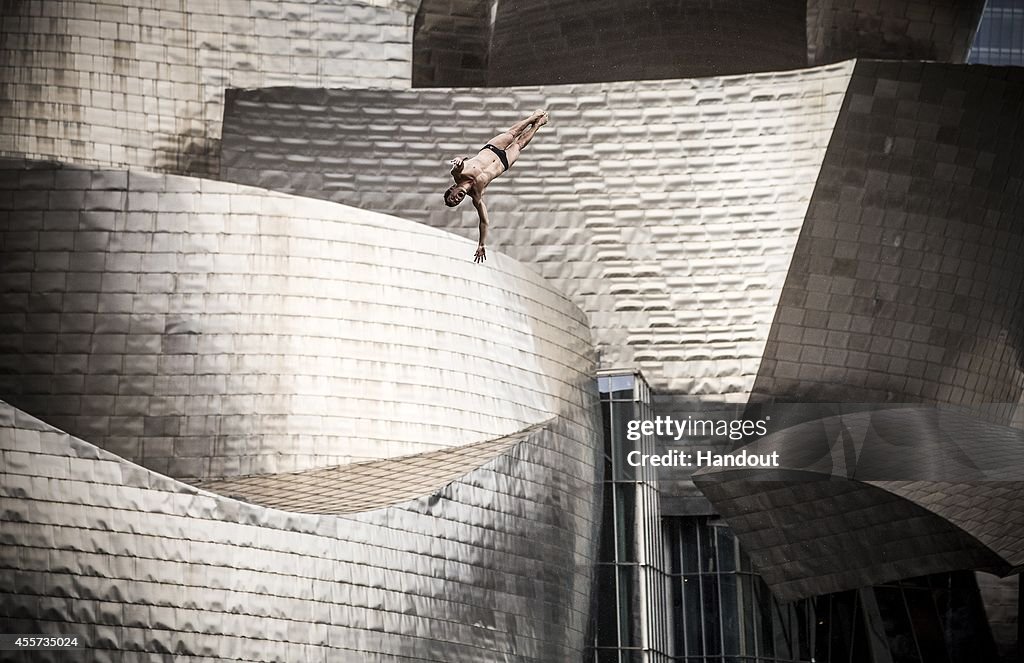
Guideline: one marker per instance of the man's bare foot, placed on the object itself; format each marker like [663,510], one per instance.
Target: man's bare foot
[541,117]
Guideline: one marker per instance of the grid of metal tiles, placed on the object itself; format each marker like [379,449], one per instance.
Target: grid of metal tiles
[906,282]
[495,566]
[452,42]
[141,82]
[363,486]
[205,329]
[871,497]
[666,210]
[505,42]
[938,30]
[610,40]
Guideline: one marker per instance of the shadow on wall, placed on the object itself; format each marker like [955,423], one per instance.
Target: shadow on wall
[906,281]
[542,42]
[186,152]
[451,42]
[527,42]
[938,30]
[141,83]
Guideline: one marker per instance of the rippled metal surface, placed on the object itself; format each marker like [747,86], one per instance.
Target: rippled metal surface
[904,287]
[905,283]
[872,497]
[363,486]
[667,210]
[141,83]
[938,30]
[495,566]
[207,330]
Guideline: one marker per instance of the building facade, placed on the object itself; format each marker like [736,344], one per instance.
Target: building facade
[257,403]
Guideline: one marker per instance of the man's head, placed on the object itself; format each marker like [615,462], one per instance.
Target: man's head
[454,195]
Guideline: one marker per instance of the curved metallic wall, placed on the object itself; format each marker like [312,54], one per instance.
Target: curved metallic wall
[607,40]
[938,30]
[451,42]
[205,329]
[872,497]
[142,84]
[494,567]
[906,282]
[668,210]
[543,42]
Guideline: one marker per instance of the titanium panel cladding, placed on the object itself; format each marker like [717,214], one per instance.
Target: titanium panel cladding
[205,329]
[906,282]
[667,211]
[494,567]
[539,42]
[141,83]
[872,497]
[937,30]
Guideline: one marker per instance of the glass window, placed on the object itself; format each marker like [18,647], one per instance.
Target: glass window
[897,625]
[673,537]
[726,549]
[730,610]
[678,616]
[622,414]
[804,621]
[607,624]
[690,547]
[627,621]
[712,627]
[625,515]
[708,550]
[748,615]
[927,625]
[766,627]
[783,629]
[694,613]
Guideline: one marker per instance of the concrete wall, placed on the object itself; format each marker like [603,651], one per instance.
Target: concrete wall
[667,211]
[133,83]
[207,329]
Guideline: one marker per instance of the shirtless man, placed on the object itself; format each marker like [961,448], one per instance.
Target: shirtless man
[473,174]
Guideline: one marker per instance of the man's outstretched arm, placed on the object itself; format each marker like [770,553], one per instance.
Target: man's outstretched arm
[481,211]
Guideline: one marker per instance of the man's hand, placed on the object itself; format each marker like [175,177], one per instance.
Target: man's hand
[457,163]
[481,254]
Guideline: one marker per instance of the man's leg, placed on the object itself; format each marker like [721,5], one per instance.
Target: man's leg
[505,139]
[524,138]
[517,146]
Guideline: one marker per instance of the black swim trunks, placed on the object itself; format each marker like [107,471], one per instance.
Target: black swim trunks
[501,154]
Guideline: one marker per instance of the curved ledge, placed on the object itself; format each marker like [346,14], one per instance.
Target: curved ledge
[667,210]
[356,487]
[873,497]
[210,330]
[493,566]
